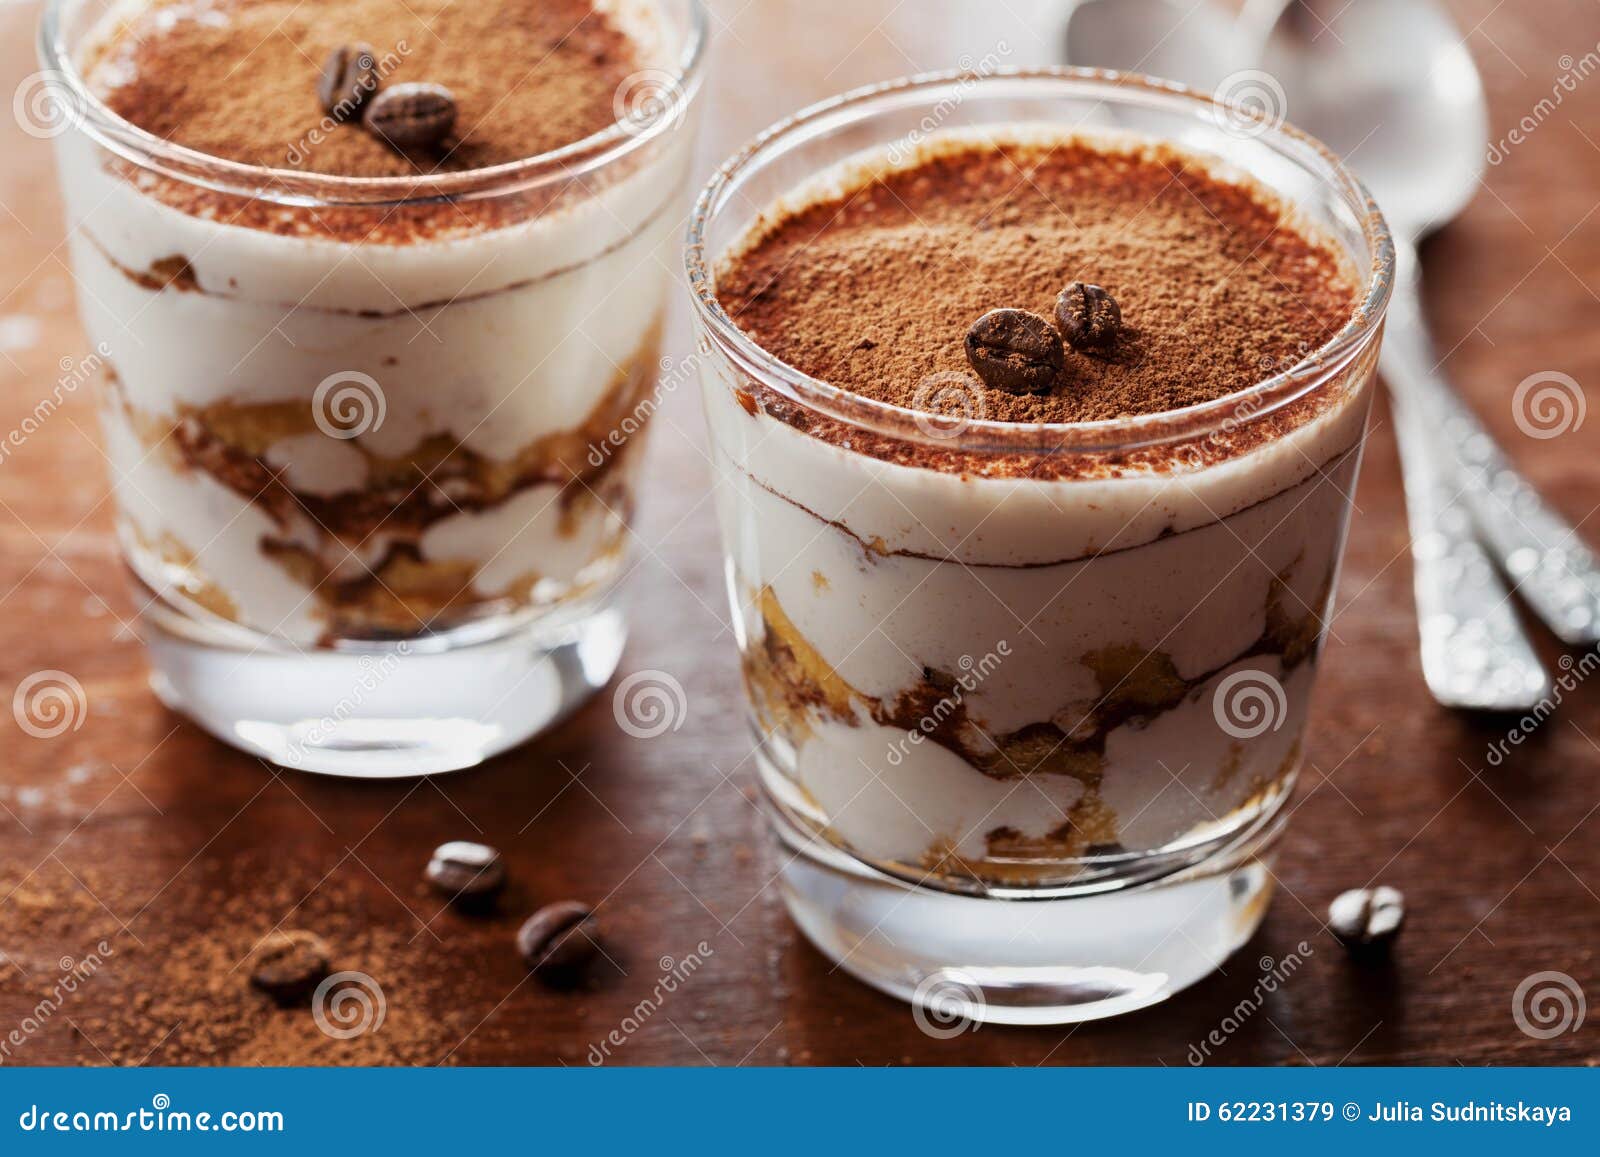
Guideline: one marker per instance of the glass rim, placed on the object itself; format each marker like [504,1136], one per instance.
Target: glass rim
[981,435]
[94,117]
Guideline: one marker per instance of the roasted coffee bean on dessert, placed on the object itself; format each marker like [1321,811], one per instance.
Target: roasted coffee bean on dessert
[349,78]
[411,116]
[1089,317]
[465,870]
[1015,351]
[288,966]
[559,940]
[1366,920]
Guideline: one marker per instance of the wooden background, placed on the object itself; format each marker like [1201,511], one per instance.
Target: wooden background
[179,852]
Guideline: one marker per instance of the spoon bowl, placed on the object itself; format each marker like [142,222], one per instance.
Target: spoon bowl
[1391,87]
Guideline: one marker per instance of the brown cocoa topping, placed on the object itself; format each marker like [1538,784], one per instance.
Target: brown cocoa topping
[528,76]
[879,284]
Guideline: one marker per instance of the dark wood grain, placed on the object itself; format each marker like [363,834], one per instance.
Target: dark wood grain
[158,825]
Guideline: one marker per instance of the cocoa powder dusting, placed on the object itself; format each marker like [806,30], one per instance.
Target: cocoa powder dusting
[74,995]
[874,290]
[238,79]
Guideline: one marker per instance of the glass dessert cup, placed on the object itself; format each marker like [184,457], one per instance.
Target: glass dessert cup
[374,441]
[1028,699]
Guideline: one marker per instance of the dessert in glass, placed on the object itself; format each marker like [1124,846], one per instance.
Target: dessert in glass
[379,286]
[1029,603]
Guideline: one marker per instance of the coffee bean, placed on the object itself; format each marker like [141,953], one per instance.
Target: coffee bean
[466,871]
[349,77]
[1089,317]
[559,940]
[288,966]
[1367,919]
[411,116]
[1015,351]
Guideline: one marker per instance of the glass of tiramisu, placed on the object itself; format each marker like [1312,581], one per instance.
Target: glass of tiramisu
[1036,403]
[378,289]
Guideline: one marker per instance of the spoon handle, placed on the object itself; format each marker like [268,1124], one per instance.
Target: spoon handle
[1554,572]
[1474,653]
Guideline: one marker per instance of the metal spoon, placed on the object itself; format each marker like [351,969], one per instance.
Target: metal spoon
[1384,107]
[1390,85]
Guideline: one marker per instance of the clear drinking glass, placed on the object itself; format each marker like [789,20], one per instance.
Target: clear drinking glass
[374,441]
[1027,739]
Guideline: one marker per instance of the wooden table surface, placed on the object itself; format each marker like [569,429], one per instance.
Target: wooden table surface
[138,842]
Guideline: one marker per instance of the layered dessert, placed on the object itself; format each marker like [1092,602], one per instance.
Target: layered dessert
[334,413]
[1031,573]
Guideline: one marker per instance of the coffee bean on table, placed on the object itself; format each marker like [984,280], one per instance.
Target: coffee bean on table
[288,966]
[1015,351]
[559,940]
[465,870]
[349,77]
[1367,919]
[1089,317]
[411,116]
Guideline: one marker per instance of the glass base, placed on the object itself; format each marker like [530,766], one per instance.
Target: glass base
[383,710]
[962,960]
